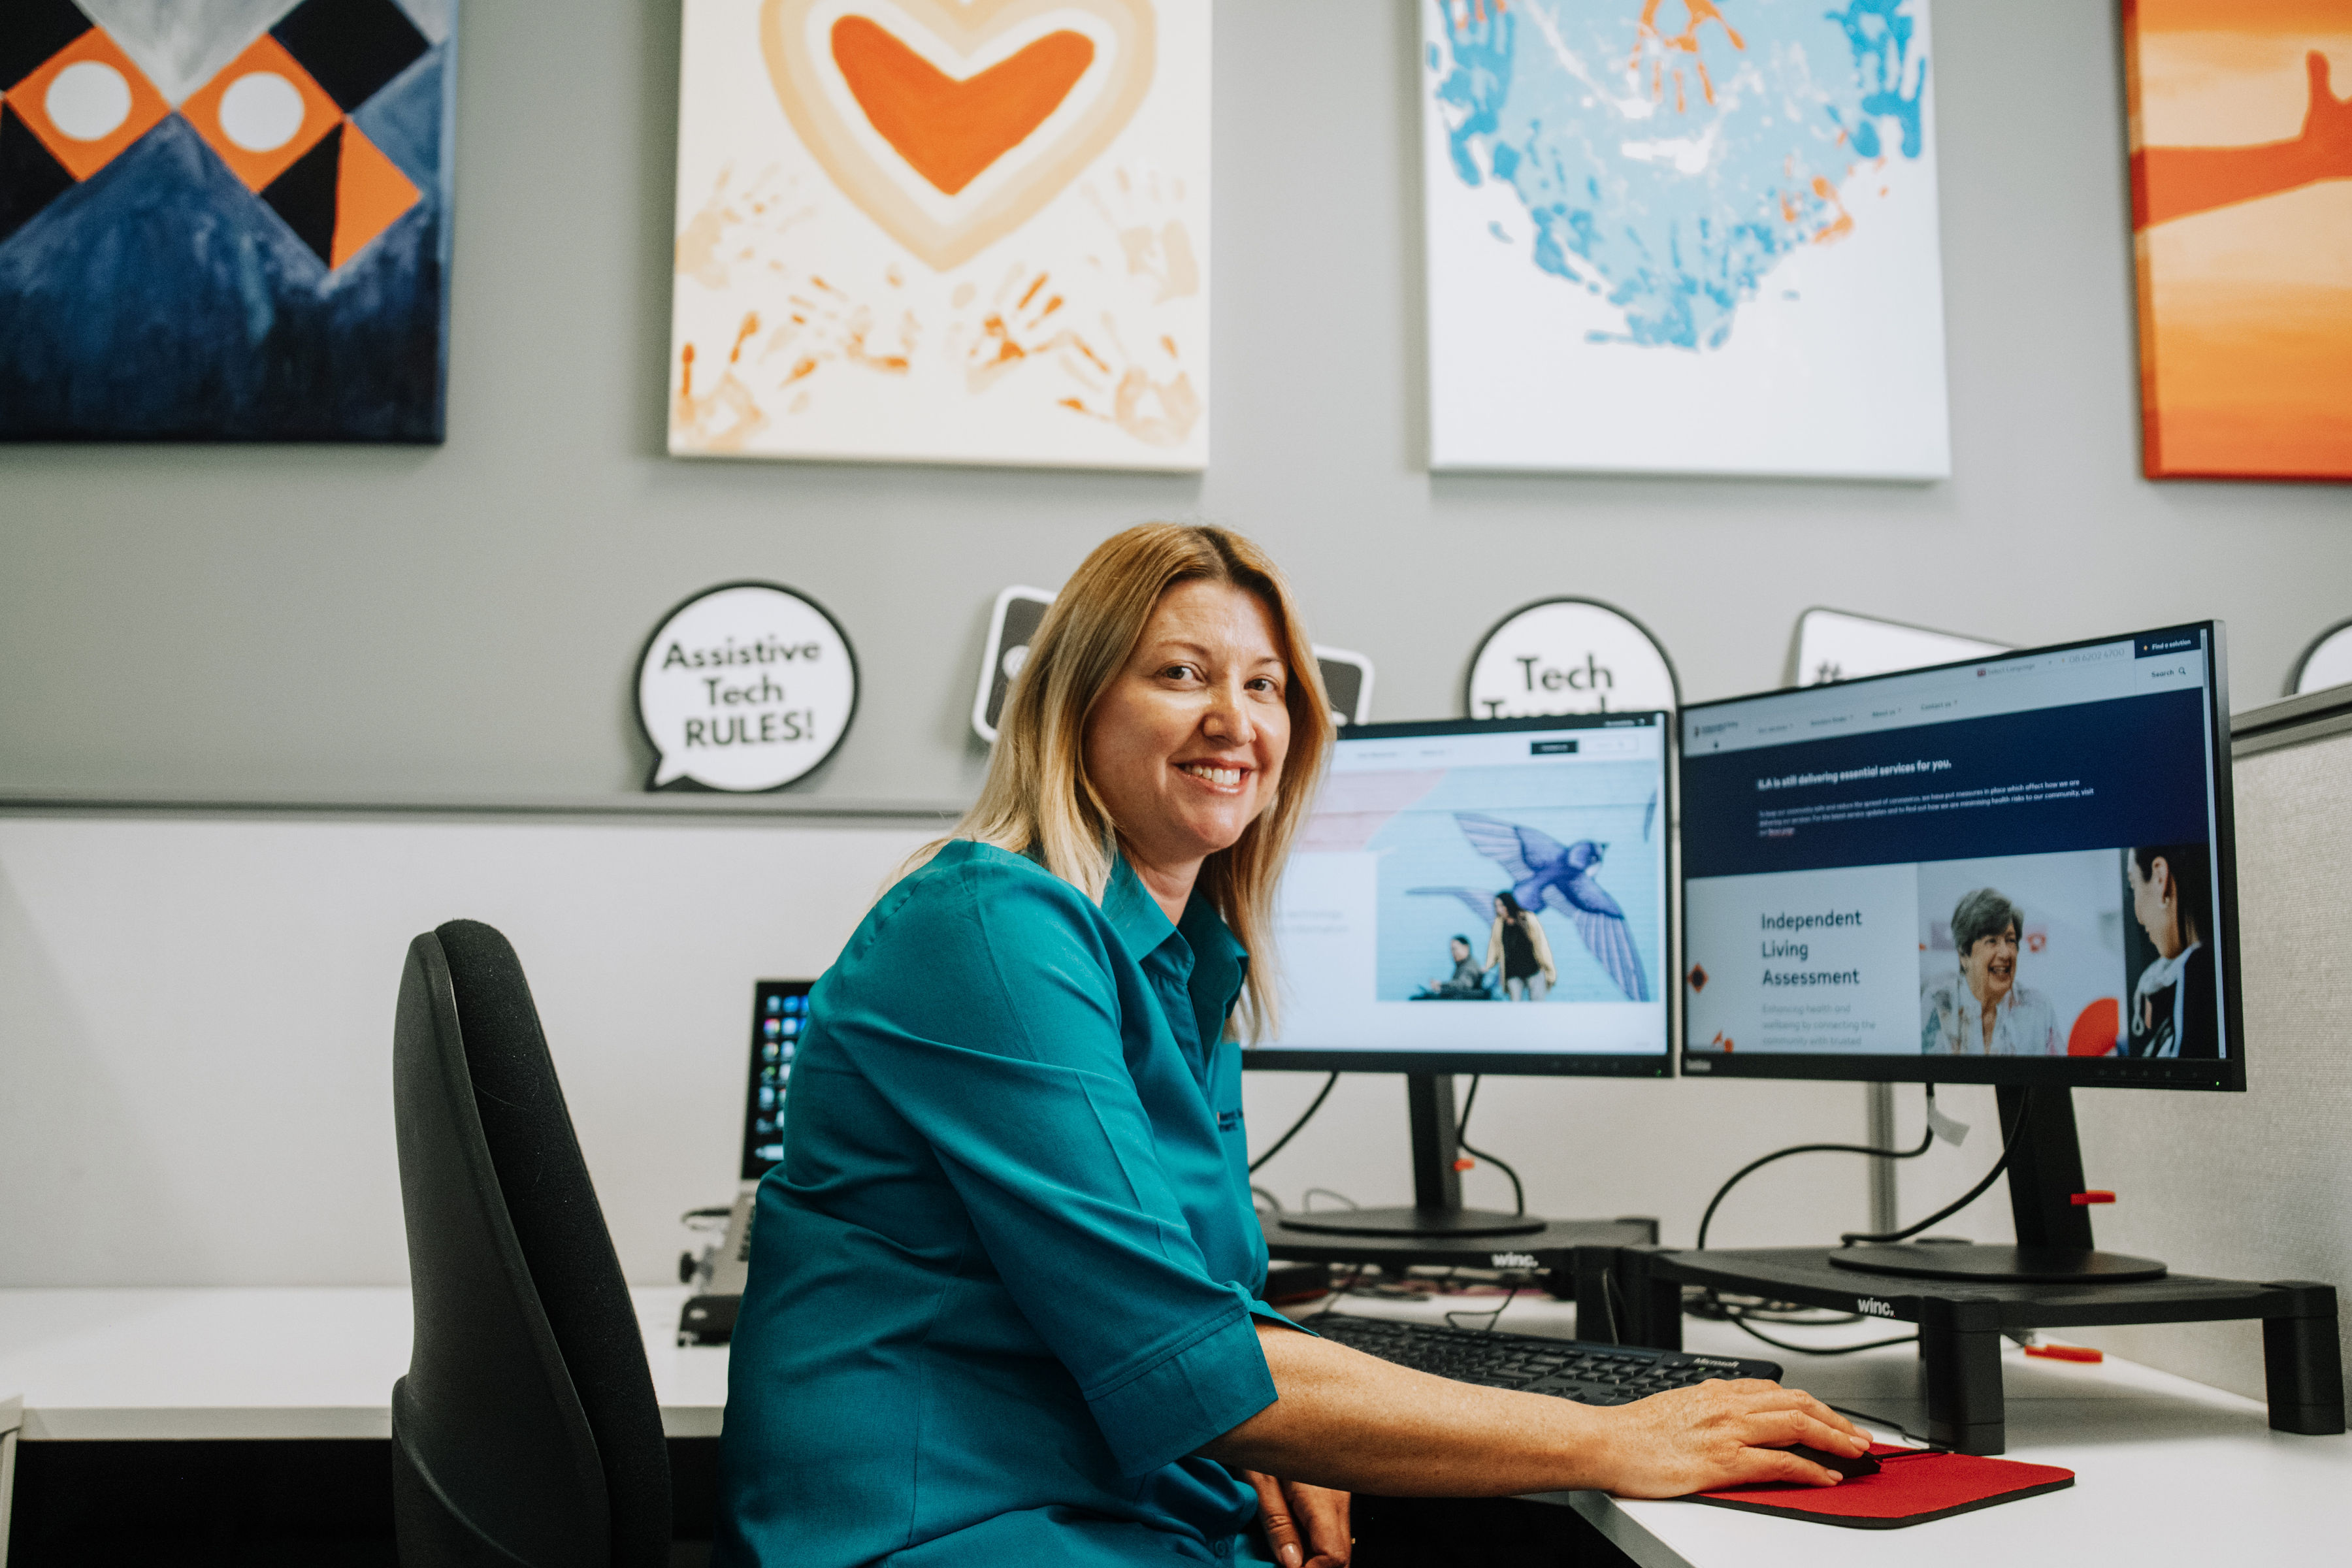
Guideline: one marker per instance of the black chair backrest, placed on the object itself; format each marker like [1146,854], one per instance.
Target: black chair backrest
[527,1430]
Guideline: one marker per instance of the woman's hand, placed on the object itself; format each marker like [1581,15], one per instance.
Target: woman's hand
[1306,1527]
[1720,1435]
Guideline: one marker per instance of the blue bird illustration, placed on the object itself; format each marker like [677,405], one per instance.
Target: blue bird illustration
[1546,874]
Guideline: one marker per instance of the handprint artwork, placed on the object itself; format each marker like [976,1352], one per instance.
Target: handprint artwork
[967,231]
[2242,213]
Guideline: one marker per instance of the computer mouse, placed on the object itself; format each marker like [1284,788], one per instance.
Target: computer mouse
[1848,1467]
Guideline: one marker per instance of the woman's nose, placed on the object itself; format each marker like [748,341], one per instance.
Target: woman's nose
[1228,717]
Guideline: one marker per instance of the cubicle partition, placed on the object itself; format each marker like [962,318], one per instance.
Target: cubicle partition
[2255,1186]
[197,1004]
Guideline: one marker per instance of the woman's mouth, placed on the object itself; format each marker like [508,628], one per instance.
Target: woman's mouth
[1219,775]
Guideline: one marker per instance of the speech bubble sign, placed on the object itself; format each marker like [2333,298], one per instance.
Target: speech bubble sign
[2327,662]
[744,687]
[1568,655]
[1834,646]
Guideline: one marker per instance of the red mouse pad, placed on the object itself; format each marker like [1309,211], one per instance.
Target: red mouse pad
[1912,1487]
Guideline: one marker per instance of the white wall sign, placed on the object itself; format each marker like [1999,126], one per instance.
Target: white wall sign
[745,687]
[1568,655]
[1835,645]
[2326,663]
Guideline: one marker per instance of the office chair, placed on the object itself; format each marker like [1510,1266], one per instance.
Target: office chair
[526,1431]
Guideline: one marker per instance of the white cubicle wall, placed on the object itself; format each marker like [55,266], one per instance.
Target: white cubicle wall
[195,1027]
[196,1012]
[2258,1186]
[195,1020]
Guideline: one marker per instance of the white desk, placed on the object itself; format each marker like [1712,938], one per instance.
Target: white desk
[2170,1471]
[120,1365]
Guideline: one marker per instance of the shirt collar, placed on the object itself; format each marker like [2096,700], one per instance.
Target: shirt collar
[1142,926]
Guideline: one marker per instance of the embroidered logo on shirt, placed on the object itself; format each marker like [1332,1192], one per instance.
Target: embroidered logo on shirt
[1228,1120]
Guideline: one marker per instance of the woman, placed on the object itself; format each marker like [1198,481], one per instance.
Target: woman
[2174,1010]
[1515,946]
[1986,1013]
[1004,1305]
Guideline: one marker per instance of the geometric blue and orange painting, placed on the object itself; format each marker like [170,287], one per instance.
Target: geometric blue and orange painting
[224,220]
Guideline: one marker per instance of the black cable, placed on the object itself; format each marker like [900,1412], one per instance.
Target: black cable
[1336,1294]
[1295,1126]
[1738,1176]
[1519,1192]
[1492,1318]
[1738,1321]
[1898,1429]
[2008,1146]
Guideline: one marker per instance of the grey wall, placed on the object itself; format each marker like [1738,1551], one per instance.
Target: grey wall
[350,623]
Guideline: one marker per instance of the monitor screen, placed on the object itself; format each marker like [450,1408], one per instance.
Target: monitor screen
[2014,869]
[779,1014]
[1481,896]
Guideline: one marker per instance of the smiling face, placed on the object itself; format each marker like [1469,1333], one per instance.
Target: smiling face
[1990,966]
[1185,745]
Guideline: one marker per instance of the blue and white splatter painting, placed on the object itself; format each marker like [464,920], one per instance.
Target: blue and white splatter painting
[1669,154]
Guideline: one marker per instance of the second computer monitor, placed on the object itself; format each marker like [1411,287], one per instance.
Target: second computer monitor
[1482,896]
[2012,871]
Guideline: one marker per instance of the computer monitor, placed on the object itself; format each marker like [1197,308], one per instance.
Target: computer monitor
[2015,870]
[1399,949]
[779,1014]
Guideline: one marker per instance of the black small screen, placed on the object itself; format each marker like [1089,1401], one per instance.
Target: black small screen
[779,1016]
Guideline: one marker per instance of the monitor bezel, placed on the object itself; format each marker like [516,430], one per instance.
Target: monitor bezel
[753,1169]
[2227,1075]
[1520,1064]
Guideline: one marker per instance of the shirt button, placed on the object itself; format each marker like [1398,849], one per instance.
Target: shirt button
[1225,1547]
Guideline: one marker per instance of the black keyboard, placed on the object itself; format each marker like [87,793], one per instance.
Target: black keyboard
[1571,1369]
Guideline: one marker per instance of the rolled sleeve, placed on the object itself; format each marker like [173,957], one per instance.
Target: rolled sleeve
[1187,1396]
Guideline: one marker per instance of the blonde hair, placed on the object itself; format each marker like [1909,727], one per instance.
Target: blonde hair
[1037,799]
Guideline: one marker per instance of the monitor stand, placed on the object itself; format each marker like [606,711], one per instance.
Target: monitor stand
[2045,1198]
[1437,1166]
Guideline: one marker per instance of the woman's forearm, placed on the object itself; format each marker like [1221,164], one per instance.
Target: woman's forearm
[1350,1420]
[1345,1419]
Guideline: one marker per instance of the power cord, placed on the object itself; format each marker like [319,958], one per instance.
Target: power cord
[1754,1165]
[1491,1317]
[1307,1116]
[1737,1318]
[1461,1139]
[2008,1146]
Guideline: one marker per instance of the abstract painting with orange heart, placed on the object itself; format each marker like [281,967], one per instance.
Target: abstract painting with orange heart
[2242,213]
[952,231]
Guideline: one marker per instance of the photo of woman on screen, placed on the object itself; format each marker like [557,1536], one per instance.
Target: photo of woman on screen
[1985,1012]
[1516,947]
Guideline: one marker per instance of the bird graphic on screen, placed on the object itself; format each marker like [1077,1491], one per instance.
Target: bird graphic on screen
[1546,874]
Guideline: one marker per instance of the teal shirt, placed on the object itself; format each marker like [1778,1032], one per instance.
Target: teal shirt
[1003,1282]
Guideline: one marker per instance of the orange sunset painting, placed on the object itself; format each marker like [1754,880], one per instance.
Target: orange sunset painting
[2242,218]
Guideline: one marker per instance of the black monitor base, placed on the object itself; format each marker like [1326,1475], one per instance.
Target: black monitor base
[2011,1265]
[1414,1222]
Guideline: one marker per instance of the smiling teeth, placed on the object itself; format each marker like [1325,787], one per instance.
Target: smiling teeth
[1215,775]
